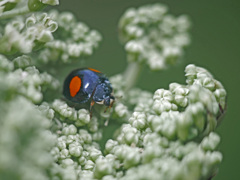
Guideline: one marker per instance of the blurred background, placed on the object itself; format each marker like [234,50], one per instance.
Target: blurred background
[215,46]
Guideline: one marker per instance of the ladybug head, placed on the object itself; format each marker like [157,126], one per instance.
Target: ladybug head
[109,100]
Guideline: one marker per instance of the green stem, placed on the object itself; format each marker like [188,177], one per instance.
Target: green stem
[131,74]
[14,12]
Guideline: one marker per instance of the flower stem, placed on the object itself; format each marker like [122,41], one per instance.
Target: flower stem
[14,12]
[131,74]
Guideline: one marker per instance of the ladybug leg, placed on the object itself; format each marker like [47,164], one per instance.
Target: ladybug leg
[111,105]
[106,109]
[91,105]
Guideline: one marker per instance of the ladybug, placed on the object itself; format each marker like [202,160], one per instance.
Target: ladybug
[85,84]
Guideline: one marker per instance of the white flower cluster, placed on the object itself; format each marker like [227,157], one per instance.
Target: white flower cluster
[80,117]
[154,37]
[28,82]
[76,153]
[24,35]
[72,40]
[163,142]
[200,76]
[25,140]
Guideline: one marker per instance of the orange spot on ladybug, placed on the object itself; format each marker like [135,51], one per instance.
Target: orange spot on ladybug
[75,85]
[94,70]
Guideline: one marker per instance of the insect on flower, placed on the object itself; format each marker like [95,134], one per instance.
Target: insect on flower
[85,84]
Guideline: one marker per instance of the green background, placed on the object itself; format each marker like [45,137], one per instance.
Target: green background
[215,45]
